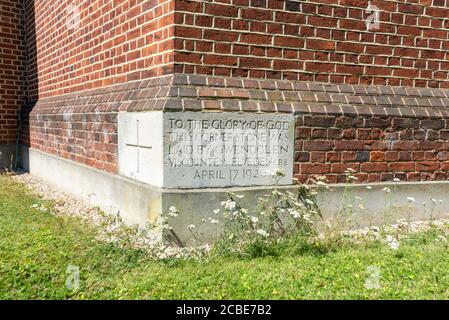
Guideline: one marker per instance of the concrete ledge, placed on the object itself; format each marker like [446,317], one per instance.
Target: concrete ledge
[378,205]
[7,156]
[138,203]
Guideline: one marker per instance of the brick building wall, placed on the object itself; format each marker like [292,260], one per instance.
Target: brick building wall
[316,40]
[84,45]
[376,114]
[12,68]
[81,45]
[377,149]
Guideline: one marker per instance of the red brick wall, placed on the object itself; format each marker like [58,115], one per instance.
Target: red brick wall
[12,67]
[119,42]
[71,54]
[89,138]
[111,42]
[376,148]
[316,40]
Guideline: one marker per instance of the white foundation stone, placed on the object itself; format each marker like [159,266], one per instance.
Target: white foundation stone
[206,149]
[141,146]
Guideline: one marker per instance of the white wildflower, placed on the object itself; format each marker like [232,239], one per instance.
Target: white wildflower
[254,219]
[191,227]
[173,212]
[216,211]
[369,187]
[214,221]
[396,180]
[295,214]
[392,242]
[386,190]
[161,222]
[411,199]
[229,205]
[262,232]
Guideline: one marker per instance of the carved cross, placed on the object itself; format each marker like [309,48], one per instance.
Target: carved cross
[138,146]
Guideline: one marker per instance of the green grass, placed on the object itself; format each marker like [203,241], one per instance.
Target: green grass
[36,248]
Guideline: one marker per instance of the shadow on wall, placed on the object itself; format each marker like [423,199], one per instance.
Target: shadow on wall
[31,82]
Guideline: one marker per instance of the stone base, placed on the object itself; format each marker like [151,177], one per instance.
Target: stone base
[138,203]
[7,156]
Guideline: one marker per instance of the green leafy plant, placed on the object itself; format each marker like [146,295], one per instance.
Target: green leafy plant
[278,217]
